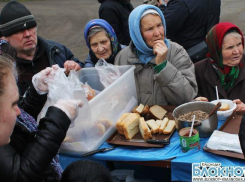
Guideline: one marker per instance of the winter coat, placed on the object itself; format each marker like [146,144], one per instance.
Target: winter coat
[241,135]
[173,85]
[28,155]
[188,21]
[56,54]
[116,13]
[207,78]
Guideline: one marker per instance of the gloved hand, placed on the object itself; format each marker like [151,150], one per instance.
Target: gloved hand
[40,79]
[70,107]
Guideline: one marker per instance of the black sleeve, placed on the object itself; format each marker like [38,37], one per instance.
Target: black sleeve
[32,102]
[175,14]
[242,135]
[30,165]
[111,16]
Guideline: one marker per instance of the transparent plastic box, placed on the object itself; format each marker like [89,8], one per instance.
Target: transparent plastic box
[106,107]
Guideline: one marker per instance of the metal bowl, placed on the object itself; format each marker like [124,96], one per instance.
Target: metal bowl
[205,127]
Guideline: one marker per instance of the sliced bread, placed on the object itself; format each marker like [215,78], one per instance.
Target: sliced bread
[131,127]
[153,125]
[169,128]
[144,129]
[163,125]
[157,112]
[224,107]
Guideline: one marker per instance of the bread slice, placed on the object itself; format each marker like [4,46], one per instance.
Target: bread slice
[139,109]
[131,127]
[145,110]
[224,107]
[169,128]
[144,129]
[163,125]
[157,112]
[128,118]
[158,122]
[153,125]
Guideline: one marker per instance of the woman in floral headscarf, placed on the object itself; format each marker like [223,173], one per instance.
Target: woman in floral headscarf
[164,72]
[224,66]
[102,42]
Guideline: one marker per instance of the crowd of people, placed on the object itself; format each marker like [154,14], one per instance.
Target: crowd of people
[151,37]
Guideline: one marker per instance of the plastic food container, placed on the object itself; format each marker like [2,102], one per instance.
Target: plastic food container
[223,115]
[106,107]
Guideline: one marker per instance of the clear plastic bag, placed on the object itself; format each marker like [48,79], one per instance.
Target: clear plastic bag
[63,87]
[108,73]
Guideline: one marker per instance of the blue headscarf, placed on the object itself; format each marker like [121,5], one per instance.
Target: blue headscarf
[113,38]
[144,52]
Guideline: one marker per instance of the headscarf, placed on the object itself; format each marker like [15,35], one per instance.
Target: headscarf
[115,46]
[214,40]
[144,52]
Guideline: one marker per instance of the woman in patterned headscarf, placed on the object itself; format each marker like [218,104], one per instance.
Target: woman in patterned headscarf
[102,42]
[224,66]
[164,72]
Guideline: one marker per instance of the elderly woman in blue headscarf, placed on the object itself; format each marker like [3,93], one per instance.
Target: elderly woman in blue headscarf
[164,72]
[102,42]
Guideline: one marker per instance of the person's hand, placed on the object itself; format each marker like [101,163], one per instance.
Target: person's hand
[40,79]
[160,50]
[240,108]
[70,107]
[71,65]
[201,99]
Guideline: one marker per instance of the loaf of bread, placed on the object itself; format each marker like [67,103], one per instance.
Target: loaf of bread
[126,118]
[131,126]
[163,125]
[144,129]
[170,127]
[153,125]
[224,107]
[157,112]
[119,125]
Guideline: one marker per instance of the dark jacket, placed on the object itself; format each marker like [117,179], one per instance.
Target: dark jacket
[116,13]
[241,135]
[207,78]
[28,155]
[186,20]
[51,53]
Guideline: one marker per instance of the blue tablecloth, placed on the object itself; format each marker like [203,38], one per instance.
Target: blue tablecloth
[181,166]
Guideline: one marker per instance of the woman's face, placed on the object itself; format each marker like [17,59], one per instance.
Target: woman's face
[232,50]
[152,29]
[9,109]
[101,45]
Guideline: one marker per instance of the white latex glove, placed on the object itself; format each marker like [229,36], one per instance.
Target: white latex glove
[70,107]
[39,80]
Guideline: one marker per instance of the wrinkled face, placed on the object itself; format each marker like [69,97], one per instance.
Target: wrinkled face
[9,109]
[232,50]
[101,45]
[152,29]
[24,42]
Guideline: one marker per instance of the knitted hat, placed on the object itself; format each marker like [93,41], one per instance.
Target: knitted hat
[15,17]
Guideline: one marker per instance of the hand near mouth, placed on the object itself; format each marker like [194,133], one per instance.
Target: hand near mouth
[160,50]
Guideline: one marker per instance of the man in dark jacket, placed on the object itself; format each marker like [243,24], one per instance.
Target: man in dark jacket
[188,21]
[18,27]
[116,13]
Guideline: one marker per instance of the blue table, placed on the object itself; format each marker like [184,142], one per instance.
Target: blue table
[181,163]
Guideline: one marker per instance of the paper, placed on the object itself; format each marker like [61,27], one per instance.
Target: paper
[224,141]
